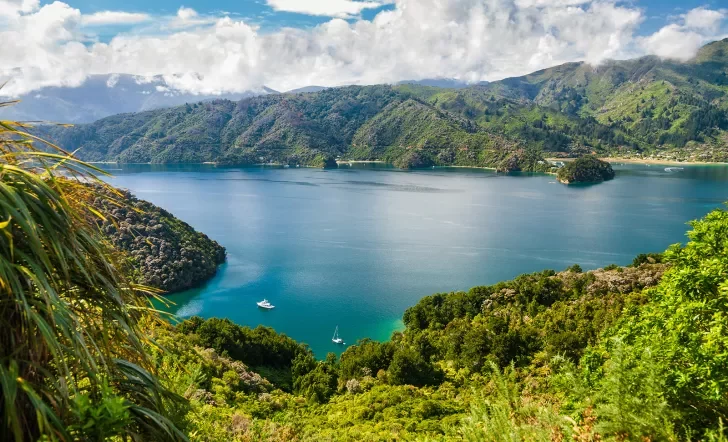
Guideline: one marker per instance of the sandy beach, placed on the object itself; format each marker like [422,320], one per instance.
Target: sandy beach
[647,161]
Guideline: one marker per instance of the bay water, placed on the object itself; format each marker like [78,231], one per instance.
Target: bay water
[355,246]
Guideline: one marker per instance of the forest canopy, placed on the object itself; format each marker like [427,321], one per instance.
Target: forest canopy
[587,169]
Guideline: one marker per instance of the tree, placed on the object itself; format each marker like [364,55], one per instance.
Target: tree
[316,381]
[408,367]
[681,335]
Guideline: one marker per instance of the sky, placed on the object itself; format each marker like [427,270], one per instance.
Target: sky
[222,46]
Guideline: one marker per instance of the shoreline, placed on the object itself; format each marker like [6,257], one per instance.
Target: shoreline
[646,161]
[462,167]
[651,161]
[663,162]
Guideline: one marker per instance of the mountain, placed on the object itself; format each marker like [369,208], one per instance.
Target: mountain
[646,107]
[312,129]
[306,90]
[444,83]
[654,103]
[104,95]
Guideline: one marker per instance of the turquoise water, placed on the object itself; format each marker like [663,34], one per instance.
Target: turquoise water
[355,247]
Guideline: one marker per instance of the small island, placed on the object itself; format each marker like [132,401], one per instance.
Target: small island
[587,169]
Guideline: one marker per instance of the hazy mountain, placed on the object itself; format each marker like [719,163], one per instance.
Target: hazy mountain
[306,90]
[444,83]
[645,105]
[104,95]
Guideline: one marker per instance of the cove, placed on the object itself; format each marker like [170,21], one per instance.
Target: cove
[356,246]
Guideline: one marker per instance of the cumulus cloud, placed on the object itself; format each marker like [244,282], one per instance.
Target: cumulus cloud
[114,18]
[470,40]
[328,8]
[187,18]
[14,7]
[702,18]
[682,40]
[673,41]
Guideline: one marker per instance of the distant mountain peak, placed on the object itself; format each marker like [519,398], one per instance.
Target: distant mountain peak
[445,83]
[307,90]
[102,95]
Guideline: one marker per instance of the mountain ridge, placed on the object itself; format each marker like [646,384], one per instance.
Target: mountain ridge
[645,106]
[100,96]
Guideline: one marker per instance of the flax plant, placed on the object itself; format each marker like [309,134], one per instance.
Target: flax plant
[72,350]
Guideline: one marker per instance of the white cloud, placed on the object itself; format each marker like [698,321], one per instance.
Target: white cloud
[681,41]
[702,18]
[186,13]
[470,40]
[544,3]
[14,7]
[114,18]
[187,18]
[328,8]
[113,81]
[673,41]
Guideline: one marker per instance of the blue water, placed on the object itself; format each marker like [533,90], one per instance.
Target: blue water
[355,247]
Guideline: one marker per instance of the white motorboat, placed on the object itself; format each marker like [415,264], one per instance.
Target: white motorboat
[336,339]
[265,304]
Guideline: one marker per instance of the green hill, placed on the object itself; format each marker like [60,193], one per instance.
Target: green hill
[164,252]
[648,103]
[359,123]
[645,106]
[586,169]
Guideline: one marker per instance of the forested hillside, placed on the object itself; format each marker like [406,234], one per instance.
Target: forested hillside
[374,122]
[646,106]
[163,251]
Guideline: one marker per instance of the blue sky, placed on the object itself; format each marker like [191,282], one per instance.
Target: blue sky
[253,11]
[657,12]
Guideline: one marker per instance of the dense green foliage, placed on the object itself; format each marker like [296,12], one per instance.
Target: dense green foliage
[73,356]
[165,253]
[277,356]
[424,381]
[622,353]
[587,169]
[421,381]
[641,107]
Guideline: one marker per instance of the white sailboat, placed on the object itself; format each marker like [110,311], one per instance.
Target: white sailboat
[265,304]
[336,339]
